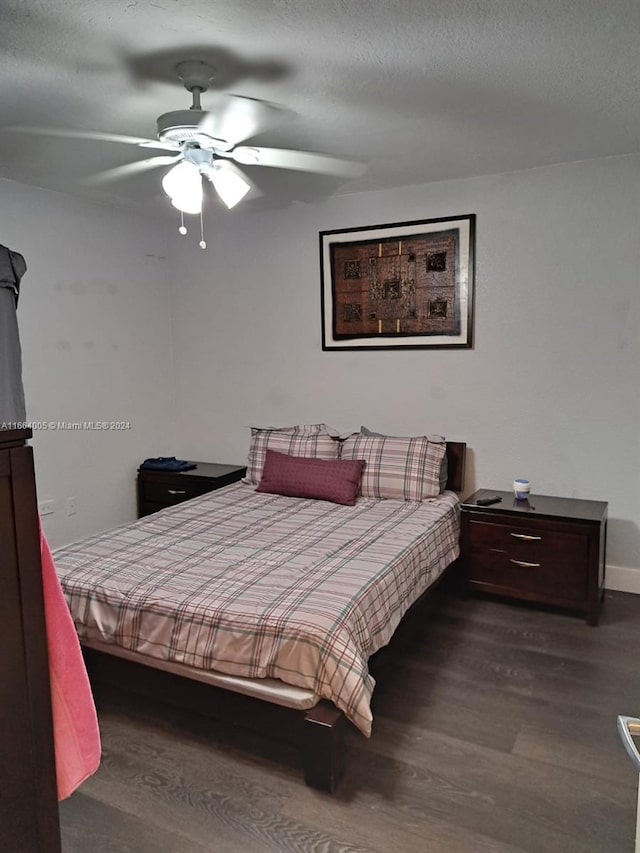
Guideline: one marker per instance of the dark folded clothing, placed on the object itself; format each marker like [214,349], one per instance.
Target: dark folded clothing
[167,463]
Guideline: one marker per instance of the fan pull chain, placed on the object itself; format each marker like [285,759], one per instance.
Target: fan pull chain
[203,244]
[182,229]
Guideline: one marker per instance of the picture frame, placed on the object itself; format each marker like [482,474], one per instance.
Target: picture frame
[406,285]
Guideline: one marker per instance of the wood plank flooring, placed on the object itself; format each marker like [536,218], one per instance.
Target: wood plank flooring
[494,732]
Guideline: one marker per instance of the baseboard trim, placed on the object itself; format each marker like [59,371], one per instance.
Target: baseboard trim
[623,579]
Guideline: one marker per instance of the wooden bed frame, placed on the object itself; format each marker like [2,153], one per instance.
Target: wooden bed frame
[318,732]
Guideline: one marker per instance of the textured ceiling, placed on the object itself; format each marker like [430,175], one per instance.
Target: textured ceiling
[419,90]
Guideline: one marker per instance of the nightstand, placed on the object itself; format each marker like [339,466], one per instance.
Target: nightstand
[545,549]
[159,489]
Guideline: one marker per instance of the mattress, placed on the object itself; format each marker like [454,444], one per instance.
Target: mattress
[267,689]
[263,586]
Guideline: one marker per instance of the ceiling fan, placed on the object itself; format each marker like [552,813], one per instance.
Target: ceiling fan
[205,144]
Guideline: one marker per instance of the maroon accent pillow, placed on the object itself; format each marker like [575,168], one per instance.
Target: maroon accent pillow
[333,480]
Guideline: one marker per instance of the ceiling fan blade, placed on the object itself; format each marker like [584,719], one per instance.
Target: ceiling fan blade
[95,135]
[304,161]
[129,169]
[236,118]
[160,146]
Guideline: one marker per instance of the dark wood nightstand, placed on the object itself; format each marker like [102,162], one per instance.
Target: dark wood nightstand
[159,489]
[545,549]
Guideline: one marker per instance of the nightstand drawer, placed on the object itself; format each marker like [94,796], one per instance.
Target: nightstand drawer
[531,544]
[168,494]
[544,578]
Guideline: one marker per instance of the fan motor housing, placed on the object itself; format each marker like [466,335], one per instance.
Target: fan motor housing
[182,126]
[179,125]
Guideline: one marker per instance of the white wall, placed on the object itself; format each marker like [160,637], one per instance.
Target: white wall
[94,318]
[550,390]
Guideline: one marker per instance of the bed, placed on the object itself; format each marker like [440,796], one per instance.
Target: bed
[272,600]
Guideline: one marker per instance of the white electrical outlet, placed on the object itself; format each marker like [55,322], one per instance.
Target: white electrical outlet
[71,506]
[46,507]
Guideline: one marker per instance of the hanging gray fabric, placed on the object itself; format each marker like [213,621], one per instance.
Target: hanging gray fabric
[12,407]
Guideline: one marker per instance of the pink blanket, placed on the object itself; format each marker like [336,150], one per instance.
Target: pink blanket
[75,723]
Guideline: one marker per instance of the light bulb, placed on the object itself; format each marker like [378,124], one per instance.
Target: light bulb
[182,230]
[203,244]
[179,176]
[229,185]
[183,185]
[187,204]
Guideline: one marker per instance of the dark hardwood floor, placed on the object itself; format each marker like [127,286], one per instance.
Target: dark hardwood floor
[494,732]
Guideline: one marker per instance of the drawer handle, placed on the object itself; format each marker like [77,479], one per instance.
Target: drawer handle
[525,536]
[177,491]
[628,726]
[524,564]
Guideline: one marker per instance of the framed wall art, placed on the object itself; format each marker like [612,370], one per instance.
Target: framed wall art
[408,285]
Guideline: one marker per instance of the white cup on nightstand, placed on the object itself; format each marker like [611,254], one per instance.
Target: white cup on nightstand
[521,489]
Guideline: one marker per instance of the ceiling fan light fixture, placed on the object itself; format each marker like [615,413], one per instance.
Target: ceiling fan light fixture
[228,184]
[183,185]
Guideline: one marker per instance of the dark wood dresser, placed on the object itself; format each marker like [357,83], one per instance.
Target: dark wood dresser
[545,549]
[159,489]
[28,794]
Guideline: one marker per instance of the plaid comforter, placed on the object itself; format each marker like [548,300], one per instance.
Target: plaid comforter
[260,585]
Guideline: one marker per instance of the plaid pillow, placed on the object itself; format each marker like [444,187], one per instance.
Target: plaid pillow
[400,468]
[444,465]
[303,440]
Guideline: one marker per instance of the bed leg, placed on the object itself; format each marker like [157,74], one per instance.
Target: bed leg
[323,746]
